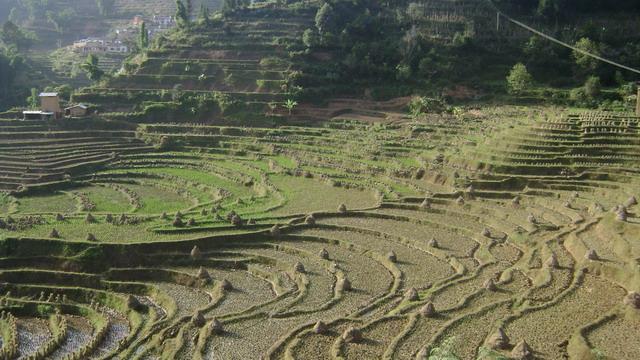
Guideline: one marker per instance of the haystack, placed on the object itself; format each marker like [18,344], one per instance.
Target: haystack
[498,340]
[216,327]
[352,335]
[320,328]
[428,310]
[195,252]
[298,267]
[522,351]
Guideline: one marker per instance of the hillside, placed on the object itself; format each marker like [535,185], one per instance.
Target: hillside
[333,180]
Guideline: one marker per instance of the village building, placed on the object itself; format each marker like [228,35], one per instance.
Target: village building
[78,110]
[95,45]
[49,108]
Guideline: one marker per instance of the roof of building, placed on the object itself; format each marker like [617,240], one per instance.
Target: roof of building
[48,94]
[36,112]
[82,106]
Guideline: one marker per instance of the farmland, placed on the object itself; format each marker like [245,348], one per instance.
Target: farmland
[328,180]
[239,241]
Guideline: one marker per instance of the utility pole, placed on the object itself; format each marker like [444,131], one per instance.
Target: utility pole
[638,103]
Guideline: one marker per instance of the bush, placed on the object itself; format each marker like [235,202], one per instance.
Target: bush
[519,80]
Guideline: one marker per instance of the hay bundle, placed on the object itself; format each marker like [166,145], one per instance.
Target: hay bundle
[631,202]
[515,201]
[426,204]
[352,335]
[391,256]
[164,216]
[216,327]
[532,219]
[89,219]
[498,340]
[423,354]
[191,222]
[633,300]
[460,201]
[434,243]
[344,285]
[198,319]
[310,220]
[91,237]
[621,215]
[428,310]
[411,295]
[177,222]
[236,220]
[59,217]
[195,252]
[178,215]
[324,254]
[490,285]
[591,255]
[342,208]
[54,234]
[486,232]
[298,267]
[108,218]
[552,262]
[203,274]
[251,222]
[522,351]
[567,204]
[320,328]
[133,303]
[226,285]
[275,230]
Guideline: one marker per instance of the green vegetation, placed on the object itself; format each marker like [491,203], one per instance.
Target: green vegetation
[311,180]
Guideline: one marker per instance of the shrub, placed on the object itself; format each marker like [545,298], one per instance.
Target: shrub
[519,80]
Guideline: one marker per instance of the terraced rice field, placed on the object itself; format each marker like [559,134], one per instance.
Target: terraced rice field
[461,237]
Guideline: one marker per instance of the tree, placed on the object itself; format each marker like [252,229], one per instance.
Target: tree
[143,40]
[61,19]
[592,87]
[90,67]
[33,101]
[105,7]
[586,62]
[324,18]
[203,17]
[182,17]
[310,38]
[13,35]
[290,105]
[519,79]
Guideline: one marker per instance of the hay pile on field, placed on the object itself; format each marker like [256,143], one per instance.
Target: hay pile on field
[498,340]
[391,256]
[226,285]
[552,262]
[54,234]
[324,254]
[342,209]
[411,295]
[344,285]
[310,220]
[352,335]
[216,327]
[275,230]
[91,237]
[195,252]
[198,319]
[632,299]
[428,310]
[320,327]
[522,351]
[203,274]
[298,268]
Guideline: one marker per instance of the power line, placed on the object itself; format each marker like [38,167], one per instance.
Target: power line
[550,38]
